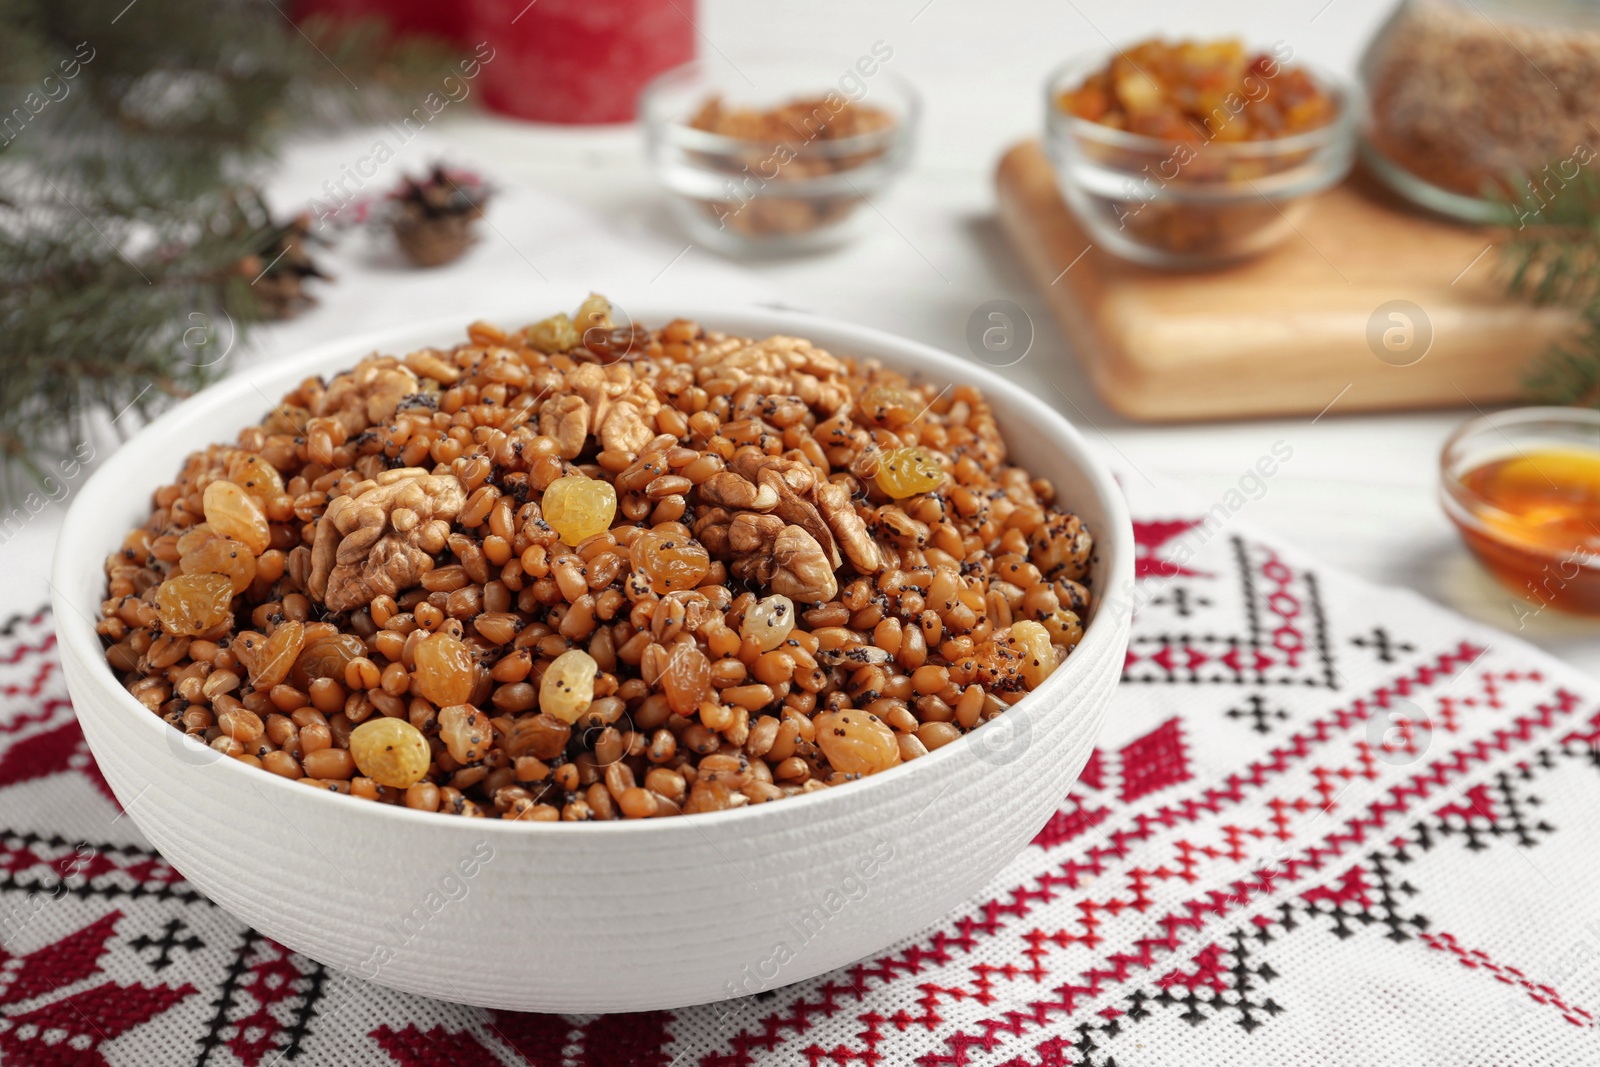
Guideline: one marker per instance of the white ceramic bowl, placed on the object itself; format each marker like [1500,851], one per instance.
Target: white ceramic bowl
[593,917]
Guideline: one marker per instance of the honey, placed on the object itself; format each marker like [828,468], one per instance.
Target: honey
[1534,521]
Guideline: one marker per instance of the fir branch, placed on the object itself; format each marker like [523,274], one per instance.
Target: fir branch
[1553,253]
[1553,258]
[129,137]
[1569,374]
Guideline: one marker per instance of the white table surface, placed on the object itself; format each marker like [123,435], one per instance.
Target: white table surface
[1360,490]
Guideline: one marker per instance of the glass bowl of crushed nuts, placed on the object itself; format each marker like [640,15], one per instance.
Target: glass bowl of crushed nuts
[790,168]
[1196,154]
[1483,111]
[574,666]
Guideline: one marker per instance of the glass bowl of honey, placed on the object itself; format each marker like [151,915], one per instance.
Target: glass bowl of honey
[1523,487]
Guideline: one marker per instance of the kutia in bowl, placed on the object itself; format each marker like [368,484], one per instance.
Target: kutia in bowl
[582,577]
[534,577]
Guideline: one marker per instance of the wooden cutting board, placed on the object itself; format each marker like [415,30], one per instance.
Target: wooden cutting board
[1286,333]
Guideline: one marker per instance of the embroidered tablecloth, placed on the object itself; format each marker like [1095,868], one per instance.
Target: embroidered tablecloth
[1326,824]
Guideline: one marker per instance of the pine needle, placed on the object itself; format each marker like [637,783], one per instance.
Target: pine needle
[1554,260]
[128,136]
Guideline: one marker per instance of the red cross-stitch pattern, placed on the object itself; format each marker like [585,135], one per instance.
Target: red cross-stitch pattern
[1476,959]
[269,982]
[1150,537]
[69,1027]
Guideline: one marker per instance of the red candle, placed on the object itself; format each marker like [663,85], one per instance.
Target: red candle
[577,61]
[433,17]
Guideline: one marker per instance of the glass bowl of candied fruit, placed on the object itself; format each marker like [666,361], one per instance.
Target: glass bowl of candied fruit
[649,636]
[1195,154]
[790,167]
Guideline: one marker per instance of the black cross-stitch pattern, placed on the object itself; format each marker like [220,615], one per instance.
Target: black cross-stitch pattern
[166,943]
[1224,650]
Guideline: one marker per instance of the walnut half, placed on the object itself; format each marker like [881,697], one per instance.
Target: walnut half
[369,394]
[764,548]
[804,573]
[833,500]
[380,538]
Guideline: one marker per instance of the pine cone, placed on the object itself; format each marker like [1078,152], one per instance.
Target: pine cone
[278,272]
[432,219]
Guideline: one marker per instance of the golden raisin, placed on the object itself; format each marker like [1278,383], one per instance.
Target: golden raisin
[856,742]
[1066,629]
[768,621]
[904,472]
[255,476]
[686,681]
[889,406]
[194,537]
[567,689]
[577,507]
[1039,656]
[444,670]
[192,604]
[326,658]
[222,555]
[466,732]
[391,752]
[555,334]
[231,512]
[669,560]
[270,665]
